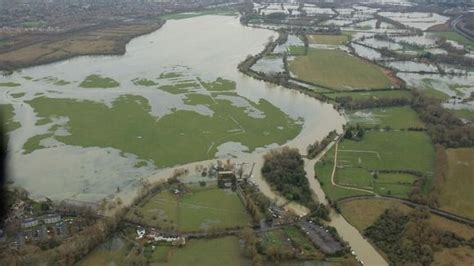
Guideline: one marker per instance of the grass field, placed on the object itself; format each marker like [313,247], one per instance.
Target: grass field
[388,150]
[144,82]
[201,209]
[454,36]
[209,252]
[389,94]
[7,114]
[323,171]
[329,39]
[394,117]
[127,125]
[296,50]
[97,81]
[338,70]
[456,194]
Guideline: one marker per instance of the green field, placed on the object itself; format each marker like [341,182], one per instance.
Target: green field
[394,150]
[296,50]
[200,209]
[394,117]
[329,39]
[338,70]
[209,252]
[454,36]
[456,194]
[366,95]
[97,81]
[323,171]
[129,126]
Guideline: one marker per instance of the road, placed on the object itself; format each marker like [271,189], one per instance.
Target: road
[454,26]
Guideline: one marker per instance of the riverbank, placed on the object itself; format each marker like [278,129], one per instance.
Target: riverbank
[107,39]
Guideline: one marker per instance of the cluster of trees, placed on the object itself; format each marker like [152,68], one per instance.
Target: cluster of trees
[354,132]
[409,238]
[315,148]
[442,125]
[256,202]
[284,170]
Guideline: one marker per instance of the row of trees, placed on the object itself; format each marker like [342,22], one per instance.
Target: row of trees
[315,148]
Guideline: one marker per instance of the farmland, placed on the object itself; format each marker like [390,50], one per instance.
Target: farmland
[329,39]
[456,195]
[201,208]
[338,70]
[370,94]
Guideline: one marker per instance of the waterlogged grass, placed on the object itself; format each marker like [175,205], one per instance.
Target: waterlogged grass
[128,126]
[7,114]
[33,143]
[393,117]
[200,209]
[338,70]
[329,39]
[456,194]
[197,99]
[144,82]
[209,252]
[18,95]
[9,84]
[169,75]
[97,81]
[179,88]
[219,84]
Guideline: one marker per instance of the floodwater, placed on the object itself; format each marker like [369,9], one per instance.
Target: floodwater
[185,46]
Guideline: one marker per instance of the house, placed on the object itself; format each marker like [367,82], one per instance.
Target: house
[225,179]
[29,222]
[51,218]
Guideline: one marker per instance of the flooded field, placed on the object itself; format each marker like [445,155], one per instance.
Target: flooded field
[150,102]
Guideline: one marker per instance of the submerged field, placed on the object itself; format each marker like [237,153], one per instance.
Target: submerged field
[336,69]
[216,115]
[198,209]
